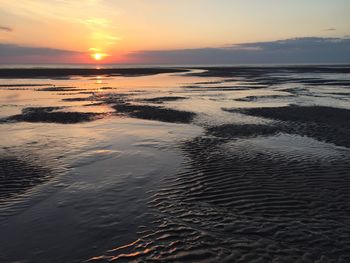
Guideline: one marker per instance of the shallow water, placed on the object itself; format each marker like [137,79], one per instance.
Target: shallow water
[175,167]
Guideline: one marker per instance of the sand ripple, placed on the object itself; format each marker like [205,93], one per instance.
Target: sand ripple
[244,203]
[17,176]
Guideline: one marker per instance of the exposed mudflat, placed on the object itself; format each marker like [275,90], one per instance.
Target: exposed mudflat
[164,99]
[154,113]
[49,114]
[322,123]
[236,164]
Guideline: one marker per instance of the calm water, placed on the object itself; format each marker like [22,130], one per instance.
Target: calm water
[226,186]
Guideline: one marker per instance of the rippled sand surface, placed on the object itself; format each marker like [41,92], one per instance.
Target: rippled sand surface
[247,164]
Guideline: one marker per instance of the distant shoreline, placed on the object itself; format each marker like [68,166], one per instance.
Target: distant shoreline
[58,72]
[66,72]
[143,66]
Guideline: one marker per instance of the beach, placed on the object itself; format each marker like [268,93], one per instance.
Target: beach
[175,164]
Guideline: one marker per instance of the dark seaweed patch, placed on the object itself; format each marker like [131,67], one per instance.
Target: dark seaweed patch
[255,98]
[107,88]
[60,89]
[339,93]
[77,99]
[219,88]
[322,123]
[23,85]
[48,114]
[164,99]
[154,113]
[95,104]
[318,114]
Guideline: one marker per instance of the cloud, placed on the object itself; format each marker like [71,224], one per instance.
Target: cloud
[296,50]
[292,51]
[8,50]
[95,22]
[5,28]
[330,29]
[11,53]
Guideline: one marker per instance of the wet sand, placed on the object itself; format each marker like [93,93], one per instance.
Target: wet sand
[241,164]
[19,175]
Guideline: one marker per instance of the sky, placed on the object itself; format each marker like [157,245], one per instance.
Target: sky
[174,31]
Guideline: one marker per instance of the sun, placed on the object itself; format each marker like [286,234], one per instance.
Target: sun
[98,56]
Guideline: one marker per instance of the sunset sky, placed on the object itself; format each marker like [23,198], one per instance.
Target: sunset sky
[162,31]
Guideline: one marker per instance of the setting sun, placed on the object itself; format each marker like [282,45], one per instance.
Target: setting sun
[98,56]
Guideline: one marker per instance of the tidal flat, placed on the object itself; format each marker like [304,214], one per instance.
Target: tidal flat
[207,164]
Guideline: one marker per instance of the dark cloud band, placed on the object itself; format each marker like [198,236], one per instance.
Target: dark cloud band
[9,50]
[5,28]
[289,51]
[296,50]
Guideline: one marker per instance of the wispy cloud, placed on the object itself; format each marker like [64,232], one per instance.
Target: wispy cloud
[6,28]
[296,50]
[330,29]
[95,22]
